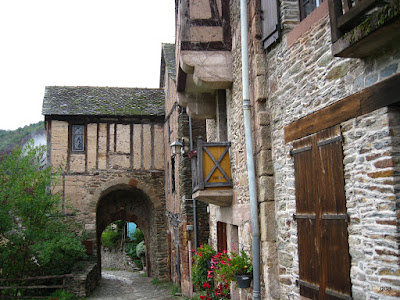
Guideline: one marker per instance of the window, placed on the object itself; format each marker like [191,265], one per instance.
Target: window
[321,216]
[173,173]
[307,6]
[78,137]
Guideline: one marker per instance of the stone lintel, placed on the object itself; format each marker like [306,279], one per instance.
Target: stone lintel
[235,214]
[216,197]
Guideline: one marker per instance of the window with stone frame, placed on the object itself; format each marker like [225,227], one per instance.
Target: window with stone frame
[307,6]
[78,138]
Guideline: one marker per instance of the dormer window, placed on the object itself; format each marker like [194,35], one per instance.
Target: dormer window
[78,138]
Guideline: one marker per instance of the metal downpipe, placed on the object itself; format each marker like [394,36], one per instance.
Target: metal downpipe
[249,152]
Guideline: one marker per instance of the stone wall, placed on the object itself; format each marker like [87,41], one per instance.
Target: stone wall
[116,259]
[370,151]
[178,198]
[84,279]
[305,78]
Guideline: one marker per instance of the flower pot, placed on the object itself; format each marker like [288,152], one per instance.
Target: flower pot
[244,280]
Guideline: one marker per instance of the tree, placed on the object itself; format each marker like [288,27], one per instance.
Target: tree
[36,238]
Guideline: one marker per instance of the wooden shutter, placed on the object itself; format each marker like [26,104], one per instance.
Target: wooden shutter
[334,237]
[324,261]
[270,22]
[306,206]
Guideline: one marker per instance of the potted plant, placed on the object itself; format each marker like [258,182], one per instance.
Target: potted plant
[236,267]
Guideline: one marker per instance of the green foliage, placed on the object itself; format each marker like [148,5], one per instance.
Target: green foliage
[34,233]
[62,295]
[132,248]
[9,139]
[200,268]
[111,239]
[175,289]
[138,236]
[156,281]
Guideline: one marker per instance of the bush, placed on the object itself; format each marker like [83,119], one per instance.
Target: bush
[62,295]
[200,268]
[35,235]
[131,248]
[140,249]
[138,236]
[111,239]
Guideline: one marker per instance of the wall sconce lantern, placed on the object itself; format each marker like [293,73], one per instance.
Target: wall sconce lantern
[178,147]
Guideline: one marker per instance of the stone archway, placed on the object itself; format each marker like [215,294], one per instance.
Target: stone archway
[131,200]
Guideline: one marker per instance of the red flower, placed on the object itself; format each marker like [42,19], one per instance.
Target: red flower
[206,285]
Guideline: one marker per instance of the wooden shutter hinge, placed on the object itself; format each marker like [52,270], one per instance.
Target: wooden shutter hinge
[343,216]
[304,216]
[299,150]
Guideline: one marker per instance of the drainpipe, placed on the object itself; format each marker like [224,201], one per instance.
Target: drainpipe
[194,200]
[249,152]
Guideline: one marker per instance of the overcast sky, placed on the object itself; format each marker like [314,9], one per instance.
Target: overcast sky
[77,43]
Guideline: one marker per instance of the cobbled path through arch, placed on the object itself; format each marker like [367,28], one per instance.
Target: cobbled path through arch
[124,285]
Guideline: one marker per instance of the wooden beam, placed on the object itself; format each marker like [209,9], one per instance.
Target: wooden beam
[384,93]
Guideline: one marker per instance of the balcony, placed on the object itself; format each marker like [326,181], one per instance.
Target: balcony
[364,28]
[211,173]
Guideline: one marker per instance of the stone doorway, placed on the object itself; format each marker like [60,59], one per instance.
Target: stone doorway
[126,201]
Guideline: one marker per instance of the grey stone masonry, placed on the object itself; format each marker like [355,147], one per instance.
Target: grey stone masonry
[371,145]
[303,79]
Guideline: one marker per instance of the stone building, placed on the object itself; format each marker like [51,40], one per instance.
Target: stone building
[108,144]
[187,222]
[324,94]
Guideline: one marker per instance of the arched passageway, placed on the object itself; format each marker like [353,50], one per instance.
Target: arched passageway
[130,203]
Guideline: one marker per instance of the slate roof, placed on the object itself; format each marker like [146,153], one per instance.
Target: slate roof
[102,101]
[168,54]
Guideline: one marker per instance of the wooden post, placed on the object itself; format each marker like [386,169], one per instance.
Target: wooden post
[335,11]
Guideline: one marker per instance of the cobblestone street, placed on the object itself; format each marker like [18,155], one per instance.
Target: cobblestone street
[124,285]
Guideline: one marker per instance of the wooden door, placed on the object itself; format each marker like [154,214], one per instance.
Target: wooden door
[222,243]
[324,261]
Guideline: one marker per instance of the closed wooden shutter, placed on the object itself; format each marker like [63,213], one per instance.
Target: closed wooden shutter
[324,261]
[270,22]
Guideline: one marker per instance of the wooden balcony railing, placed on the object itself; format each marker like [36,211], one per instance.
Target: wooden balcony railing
[211,166]
[361,27]
[53,282]
[346,14]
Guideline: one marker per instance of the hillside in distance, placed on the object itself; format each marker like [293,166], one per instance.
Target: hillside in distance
[9,139]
